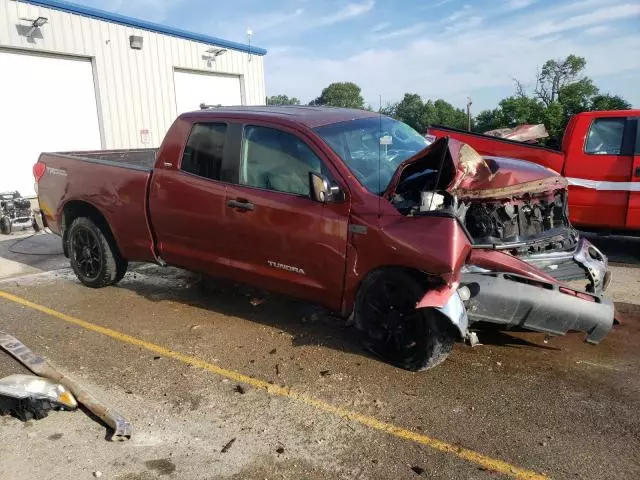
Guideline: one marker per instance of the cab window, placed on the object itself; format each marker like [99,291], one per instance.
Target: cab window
[277,160]
[605,136]
[203,152]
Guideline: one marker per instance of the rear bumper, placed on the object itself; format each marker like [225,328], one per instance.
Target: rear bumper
[514,300]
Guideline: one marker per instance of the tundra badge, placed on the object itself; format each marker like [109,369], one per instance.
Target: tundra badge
[288,268]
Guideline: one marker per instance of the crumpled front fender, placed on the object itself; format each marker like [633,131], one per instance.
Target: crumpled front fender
[446,300]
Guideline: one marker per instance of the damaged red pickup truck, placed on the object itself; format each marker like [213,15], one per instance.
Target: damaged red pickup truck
[345,208]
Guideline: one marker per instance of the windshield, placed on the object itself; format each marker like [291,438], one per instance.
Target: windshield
[373,147]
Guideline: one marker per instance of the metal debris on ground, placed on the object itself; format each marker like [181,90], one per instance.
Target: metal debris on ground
[122,428]
[227,446]
[239,389]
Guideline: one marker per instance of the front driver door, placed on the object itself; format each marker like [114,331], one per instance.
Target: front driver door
[279,237]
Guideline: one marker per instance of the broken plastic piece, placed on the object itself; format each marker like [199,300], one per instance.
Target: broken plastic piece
[122,429]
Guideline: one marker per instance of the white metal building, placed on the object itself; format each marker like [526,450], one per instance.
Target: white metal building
[78,78]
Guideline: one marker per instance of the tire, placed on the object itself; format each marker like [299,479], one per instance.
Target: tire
[94,257]
[5,225]
[394,330]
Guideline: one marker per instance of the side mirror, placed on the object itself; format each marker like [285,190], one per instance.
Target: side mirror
[321,191]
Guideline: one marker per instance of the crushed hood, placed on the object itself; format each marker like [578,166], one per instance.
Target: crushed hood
[467,174]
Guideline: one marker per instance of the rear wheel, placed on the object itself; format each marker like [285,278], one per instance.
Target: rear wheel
[392,327]
[94,256]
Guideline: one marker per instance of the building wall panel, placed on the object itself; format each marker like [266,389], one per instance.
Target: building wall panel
[134,88]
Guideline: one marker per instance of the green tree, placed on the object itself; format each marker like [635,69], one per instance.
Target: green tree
[609,102]
[576,97]
[557,74]
[419,115]
[411,110]
[340,94]
[282,100]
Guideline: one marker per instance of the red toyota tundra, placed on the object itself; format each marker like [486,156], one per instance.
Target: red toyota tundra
[345,208]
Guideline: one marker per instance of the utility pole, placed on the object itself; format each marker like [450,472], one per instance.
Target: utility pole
[469,102]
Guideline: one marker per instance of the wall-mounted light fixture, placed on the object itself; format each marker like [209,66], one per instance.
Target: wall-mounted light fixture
[135,42]
[35,25]
[216,52]
[249,35]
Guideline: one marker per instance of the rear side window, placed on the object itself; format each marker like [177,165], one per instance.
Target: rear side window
[637,149]
[203,152]
[605,136]
[277,160]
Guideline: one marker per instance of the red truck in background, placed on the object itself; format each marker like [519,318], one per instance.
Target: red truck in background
[600,158]
[345,208]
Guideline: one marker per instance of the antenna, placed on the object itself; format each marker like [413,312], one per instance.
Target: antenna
[379,155]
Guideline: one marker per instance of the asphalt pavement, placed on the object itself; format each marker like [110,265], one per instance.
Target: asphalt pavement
[222,381]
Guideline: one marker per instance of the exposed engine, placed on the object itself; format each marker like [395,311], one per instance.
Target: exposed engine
[526,225]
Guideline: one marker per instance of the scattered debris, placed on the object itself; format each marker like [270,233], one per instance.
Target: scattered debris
[227,446]
[325,373]
[417,470]
[277,369]
[256,301]
[30,397]
[272,351]
[195,327]
[543,444]
[97,474]
[157,357]
[411,394]
[499,364]
[280,450]
[239,389]
[122,429]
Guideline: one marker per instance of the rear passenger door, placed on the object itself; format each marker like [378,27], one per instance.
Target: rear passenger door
[279,237]
[599,174]
[188,203]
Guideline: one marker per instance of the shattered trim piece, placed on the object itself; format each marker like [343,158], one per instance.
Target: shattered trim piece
[122,428]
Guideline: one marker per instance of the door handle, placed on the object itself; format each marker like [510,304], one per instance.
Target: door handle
[241,204]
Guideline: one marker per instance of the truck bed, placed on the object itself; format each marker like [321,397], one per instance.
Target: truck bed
[113,182]
[143,158]
[501,147]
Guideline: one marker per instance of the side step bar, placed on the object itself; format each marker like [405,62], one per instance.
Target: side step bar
[515,300]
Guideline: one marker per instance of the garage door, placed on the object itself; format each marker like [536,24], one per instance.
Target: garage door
[194,88]
[47,103]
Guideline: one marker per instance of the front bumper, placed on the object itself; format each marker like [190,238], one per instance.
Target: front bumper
[518,301]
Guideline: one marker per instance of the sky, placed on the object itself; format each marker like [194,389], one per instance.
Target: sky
[449,49]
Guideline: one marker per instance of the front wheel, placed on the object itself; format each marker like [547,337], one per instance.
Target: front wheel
[94,257]
[392,327]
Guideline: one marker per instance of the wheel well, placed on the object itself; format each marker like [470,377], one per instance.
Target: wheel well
[424,279]
[76,209]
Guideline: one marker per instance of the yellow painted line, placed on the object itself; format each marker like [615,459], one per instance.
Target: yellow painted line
[470,455]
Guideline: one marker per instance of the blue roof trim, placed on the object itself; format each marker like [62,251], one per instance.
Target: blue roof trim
[142,24]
